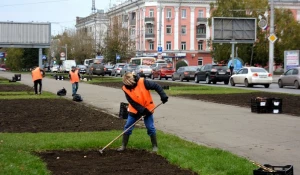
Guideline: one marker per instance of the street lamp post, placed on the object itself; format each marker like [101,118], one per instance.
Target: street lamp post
[271,44]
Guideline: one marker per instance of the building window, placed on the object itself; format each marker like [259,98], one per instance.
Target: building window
[200,14]
[151,13]
[169,29]
[151,45]
[200,45]
[133,16]
[201,29]
[169,45]
[183,29]
[183,45]
[183,13]
[132,31]
[200,61]
[169,13]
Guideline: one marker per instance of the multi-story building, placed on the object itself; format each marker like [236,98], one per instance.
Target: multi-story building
[293,5]
[179,27]
[96,25]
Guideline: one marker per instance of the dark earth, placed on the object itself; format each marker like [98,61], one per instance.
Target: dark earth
[291,103]
[130,162]
[62,115]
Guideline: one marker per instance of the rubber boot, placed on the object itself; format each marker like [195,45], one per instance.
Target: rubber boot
[154,143]
[124,143]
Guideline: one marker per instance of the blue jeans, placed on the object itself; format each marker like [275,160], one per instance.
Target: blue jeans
[149,122]
[74,88]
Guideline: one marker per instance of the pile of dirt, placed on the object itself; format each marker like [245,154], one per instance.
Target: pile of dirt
[129,162]
[53,115]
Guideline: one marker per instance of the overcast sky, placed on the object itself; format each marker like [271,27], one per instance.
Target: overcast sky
[61,12]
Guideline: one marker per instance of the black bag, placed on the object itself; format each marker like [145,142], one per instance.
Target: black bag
[77,98]
[62,92]
[123,113]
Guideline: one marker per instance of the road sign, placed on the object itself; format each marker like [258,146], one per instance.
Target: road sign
[2,55]
[159,49]
[62,54]
[159,56]
[118,57]
[44,57]
[272,38]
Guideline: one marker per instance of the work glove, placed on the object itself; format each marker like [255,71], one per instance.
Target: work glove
[164,99]
[146,113]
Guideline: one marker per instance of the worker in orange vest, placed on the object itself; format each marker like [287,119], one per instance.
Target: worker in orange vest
[137,92]
[74,78]
[37,76]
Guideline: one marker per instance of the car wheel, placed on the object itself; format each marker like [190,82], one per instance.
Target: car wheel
[207,80]
[159,77]
[181,79]
[267,85]
[296,84]
[187,80]
[232,82]
[214,82]
[173,78]
[166,78]
[226,82]
[196,79]
[280,84]
[246,83]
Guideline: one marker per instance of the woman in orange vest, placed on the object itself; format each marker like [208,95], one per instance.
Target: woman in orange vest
[137,92]
[37,76]
[74,78]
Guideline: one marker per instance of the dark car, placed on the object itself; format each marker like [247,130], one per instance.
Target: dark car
[213,73]
[128,68]
[96,69]
[109,69]
[185,73]
[81,69]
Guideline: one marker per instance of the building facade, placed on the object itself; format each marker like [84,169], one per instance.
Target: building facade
[95,25]
[166,29]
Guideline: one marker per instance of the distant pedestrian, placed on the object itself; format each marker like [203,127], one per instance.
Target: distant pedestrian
[74,78]
[37,76]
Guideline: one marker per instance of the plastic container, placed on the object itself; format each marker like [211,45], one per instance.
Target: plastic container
[18,77]
[260,105]
[279,170]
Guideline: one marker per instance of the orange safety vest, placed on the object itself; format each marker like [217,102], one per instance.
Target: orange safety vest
[74,76]
[140,95]
[36,74]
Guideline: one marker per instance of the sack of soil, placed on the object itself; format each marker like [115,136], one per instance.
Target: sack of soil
[123,113]
[77,98]
[62,92]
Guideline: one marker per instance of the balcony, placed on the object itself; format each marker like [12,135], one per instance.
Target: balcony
[150,36]
[201,36]
[201,21]
[132,22]
[149,20]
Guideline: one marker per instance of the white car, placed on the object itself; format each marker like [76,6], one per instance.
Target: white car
[55,68]
[250,76]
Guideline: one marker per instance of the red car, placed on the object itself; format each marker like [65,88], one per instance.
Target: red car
[3,67]
[163,72]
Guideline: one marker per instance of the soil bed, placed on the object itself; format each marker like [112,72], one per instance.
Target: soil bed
[290,103]
[111,162]
[53,115]
[14,88]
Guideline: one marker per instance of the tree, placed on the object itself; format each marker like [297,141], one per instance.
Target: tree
[14,58]
[118,42]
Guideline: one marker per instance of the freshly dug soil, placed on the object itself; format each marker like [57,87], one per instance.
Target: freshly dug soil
[53,115]
[111,162]
[14,88]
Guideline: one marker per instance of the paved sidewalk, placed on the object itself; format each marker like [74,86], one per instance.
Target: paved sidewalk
[266,138]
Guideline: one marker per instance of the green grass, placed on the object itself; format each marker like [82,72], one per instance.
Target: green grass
[25,95]
[17,151]
[104,80]
[202,89]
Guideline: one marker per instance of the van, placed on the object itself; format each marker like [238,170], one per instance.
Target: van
[67,65]
[87,62]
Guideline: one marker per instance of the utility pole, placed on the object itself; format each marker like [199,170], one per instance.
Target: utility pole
[271,44]
[66,46]
[160,23]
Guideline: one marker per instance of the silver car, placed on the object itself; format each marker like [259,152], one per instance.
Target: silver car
[127,68]
[117,69]
[290,78]
[143,69]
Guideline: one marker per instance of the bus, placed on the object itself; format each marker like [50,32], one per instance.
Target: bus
[143,60]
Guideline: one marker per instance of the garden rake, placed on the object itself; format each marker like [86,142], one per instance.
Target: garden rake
[101,151]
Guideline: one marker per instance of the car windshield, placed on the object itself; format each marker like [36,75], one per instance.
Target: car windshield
[219,67]
[132,66]
[166,68]
[121,66]
[191,68]
[81,66]
[145,67]
[109,67]
[258,70]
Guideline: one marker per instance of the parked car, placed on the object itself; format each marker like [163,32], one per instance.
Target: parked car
[143,70]
[117,69]
[127,68]
[185,73]
[81,68]
[158,65]
[213,73]
[55,68]
[162,72]
[96,68]
[109,68]
[250,76]
[3,67]
[290,78]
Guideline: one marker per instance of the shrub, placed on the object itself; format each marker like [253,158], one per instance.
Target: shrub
[180,64]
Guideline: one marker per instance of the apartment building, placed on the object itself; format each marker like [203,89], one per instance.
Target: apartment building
[180,28]
[293,5]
